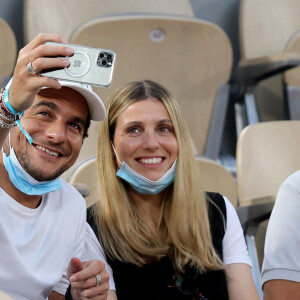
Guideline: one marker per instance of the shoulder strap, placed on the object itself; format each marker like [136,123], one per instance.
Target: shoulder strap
[90,218]
[217,218]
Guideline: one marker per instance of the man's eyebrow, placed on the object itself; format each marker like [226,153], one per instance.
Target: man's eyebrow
[47,103]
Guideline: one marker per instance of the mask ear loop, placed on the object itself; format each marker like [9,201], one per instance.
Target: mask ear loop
[9,142]
[16,114]
[115,152]
[2,150]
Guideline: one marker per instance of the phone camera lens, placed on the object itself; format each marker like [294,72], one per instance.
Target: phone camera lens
[105,59]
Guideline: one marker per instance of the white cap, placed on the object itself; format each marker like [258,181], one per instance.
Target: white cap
[95,104]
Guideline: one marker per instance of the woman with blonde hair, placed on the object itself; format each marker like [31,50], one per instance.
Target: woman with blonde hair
[162,235]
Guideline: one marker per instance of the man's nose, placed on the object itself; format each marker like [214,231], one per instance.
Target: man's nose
[56,131]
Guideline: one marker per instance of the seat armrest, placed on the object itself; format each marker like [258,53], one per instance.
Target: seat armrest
[251,71]
[252,215]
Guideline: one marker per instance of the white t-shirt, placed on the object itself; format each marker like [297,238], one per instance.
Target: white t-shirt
[282,244]
[234,246]
[37,244]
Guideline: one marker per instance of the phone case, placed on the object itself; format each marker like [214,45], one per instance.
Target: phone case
[88,65]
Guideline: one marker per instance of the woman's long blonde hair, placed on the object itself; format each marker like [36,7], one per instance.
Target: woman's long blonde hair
[184,233]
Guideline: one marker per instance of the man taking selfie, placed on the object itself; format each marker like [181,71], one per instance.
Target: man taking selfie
[43,123]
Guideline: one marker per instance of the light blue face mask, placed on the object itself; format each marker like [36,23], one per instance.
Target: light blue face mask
[22,180]
[142,184]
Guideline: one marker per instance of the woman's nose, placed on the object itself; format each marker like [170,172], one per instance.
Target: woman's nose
[150,141]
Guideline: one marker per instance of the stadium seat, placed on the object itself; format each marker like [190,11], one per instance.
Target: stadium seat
[265,27]
[292,79]
[216,178]
[267,153]
[190,57]
[83,178]
[4,296]
[8,52]
[62,17]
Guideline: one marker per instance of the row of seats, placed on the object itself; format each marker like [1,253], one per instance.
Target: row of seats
[197,55]
[269,33]
[191,57]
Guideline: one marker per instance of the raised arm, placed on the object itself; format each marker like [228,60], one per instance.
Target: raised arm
[26,85]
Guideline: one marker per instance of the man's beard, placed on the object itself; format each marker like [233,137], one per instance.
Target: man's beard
[26,162]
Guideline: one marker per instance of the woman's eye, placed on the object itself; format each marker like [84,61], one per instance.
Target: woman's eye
[133,130]
[165,129]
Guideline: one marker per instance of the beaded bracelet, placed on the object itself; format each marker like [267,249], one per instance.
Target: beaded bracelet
[3,106]
[7,120]
[16,115]
[6,116]
[6,125]
[7,104]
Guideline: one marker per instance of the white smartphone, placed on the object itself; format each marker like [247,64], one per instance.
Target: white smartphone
[88,65]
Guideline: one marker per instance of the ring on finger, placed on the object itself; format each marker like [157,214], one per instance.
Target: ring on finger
[98,279]
[31,70]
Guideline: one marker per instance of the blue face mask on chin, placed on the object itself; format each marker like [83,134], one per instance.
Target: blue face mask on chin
[142,184]
[22,180]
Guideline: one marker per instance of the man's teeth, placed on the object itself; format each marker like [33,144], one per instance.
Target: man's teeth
[47,151]
[151,160]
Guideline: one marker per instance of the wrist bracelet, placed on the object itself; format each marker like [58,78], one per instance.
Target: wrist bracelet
[7,104]
[6,117]
[4,124]
[7,120]
[11,111]
[2,102]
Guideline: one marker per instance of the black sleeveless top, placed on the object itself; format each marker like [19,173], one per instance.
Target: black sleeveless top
[156,281]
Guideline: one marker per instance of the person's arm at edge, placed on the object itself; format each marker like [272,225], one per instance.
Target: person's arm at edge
[281,289]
